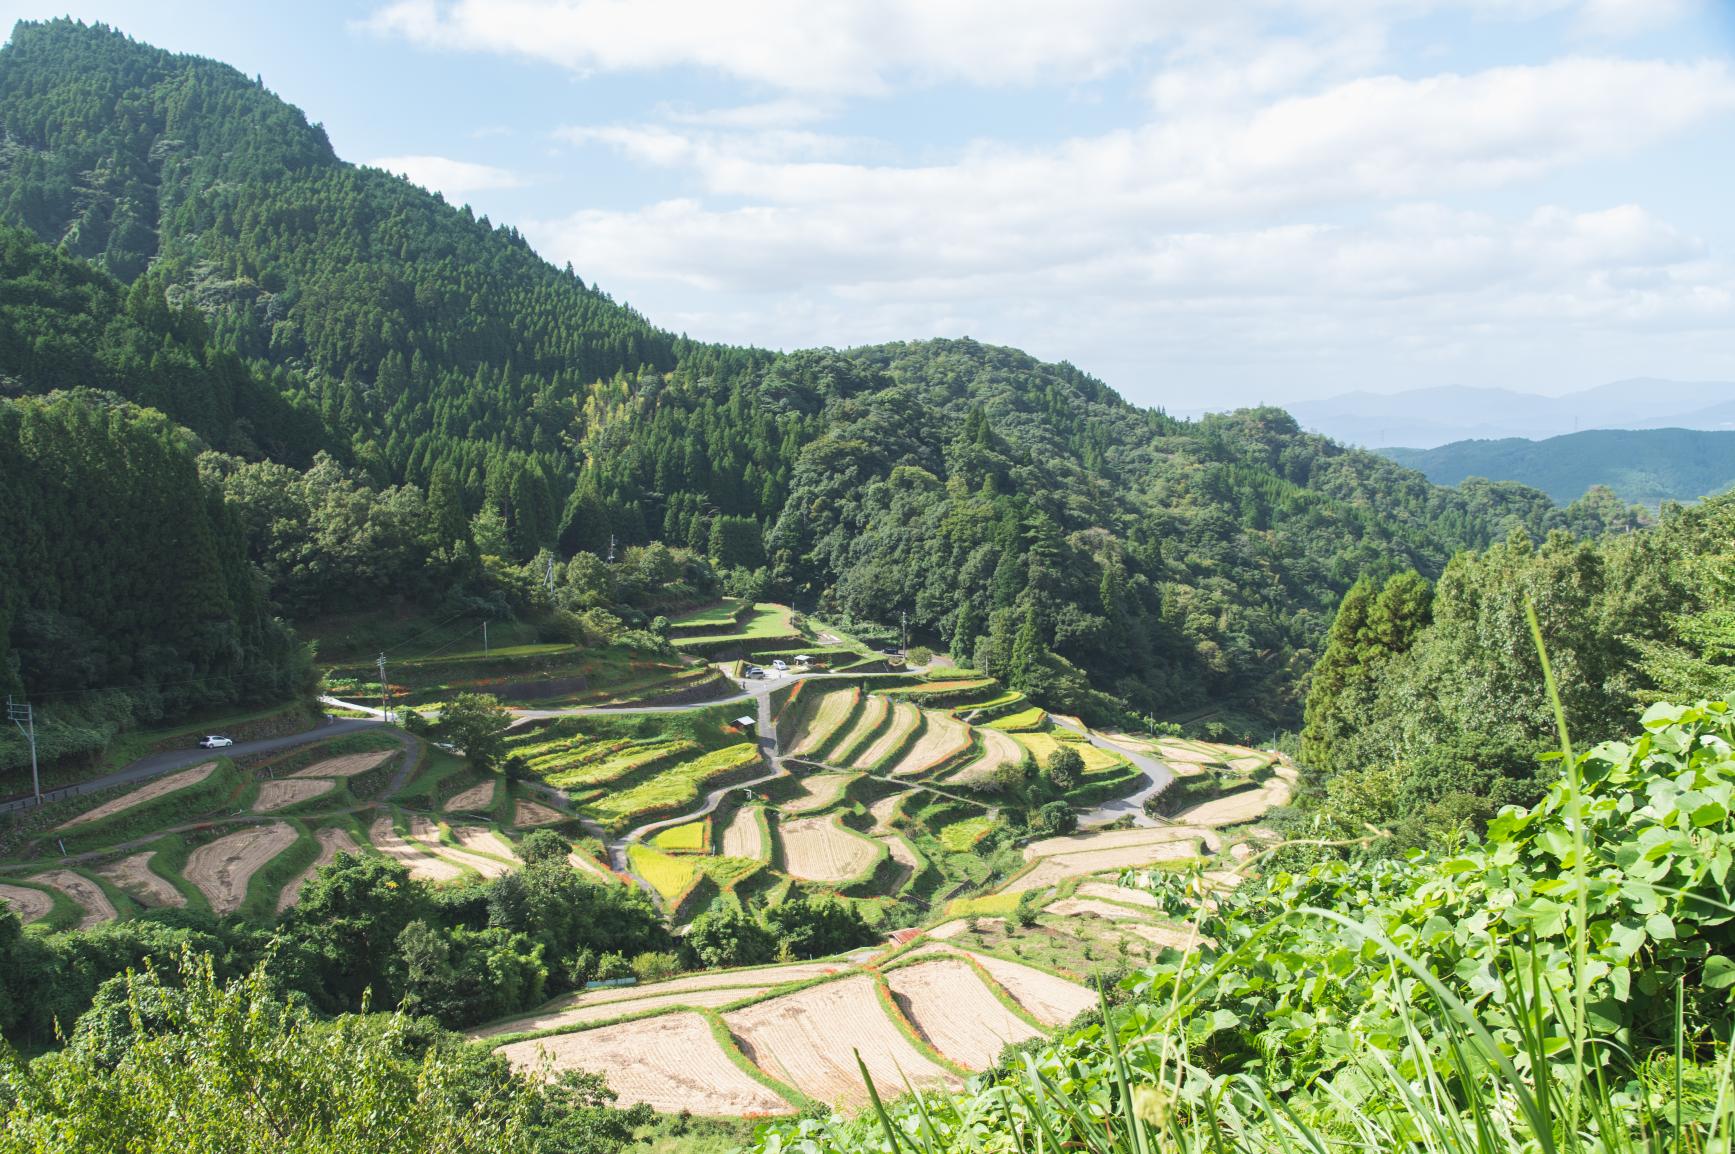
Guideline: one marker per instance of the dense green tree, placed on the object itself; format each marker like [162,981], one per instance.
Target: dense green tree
[475,723]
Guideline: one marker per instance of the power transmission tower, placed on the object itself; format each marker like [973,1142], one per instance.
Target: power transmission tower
[385,690]
[24,717]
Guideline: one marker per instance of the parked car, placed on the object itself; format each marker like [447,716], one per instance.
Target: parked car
[212,741]
[753,671]
[780,665]
[891,651]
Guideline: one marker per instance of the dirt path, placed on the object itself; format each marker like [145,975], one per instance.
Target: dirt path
[222,869]
[134,875]
[331,843]
[89,896]
[143,794]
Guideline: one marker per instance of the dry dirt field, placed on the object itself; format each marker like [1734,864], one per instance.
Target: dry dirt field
[89,896]
[30,905]
[331,843]
[424,866]
[743,837]
[134,875]
[997,749]
[276,795]
[474,799]
[958,1015]
[532,813]
[144,793]
[944,738]
[222,869]
[873,711]
[818,791]
[799,1039]
[817,849]
[671,1062]
[349,765]
[905,717]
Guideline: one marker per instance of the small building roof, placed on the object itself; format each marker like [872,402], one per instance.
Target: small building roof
[746,720]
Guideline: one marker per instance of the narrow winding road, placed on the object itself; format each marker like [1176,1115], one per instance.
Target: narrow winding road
[1157,775]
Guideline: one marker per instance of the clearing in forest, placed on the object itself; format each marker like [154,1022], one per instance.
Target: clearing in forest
[349,765]
[222,868]
[823,720]
[958,1015]
[672,1063]
[820,849]
[144,793]
[944,738]
[89,896]
[810,1039]
[744,836]
[818,791]
[30,905]
[134,875]
[476,799]
[526,814]
[276,795]
[331,843]
[873,711]
[998,749]
[905,718]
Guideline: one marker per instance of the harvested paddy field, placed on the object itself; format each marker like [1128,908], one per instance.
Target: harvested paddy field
[905,718]
[331,843]
[1096,907]
[744,836]
[956,1013]
[586,864]
[527,814]
[823,720]
[134,875]
[819,849]
[944,738]
[873,712]
[1051,870]
[583,1012]
[222,869]
[475,799]
[1107,839]
[30,905]
[89,896]
[1245,806]
[1050,1000]
[800,1039]
[998,749]
[276,795]
[672,1063]
[422,865]
[349,765]
[482,840]
[1114,893]
[144,793]
[818,791]
[884,810]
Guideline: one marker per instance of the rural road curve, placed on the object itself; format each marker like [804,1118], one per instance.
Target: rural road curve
[1156,773]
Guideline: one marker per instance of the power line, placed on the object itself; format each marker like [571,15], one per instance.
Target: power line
[24,717]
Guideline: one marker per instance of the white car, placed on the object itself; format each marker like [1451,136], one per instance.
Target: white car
[780,665]
[215,742]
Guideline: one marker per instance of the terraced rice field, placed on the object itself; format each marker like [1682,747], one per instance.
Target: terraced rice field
[1245,806]
[667,874]
[956,1013]
[349,765]
[944,738]
[616,761]
[331,843]
[30,905]
[476,799]
[824,718]
[905,718]
[1050,1000]
[998,749]
[676,786]
[818,791]
[583,863]
[1114,893]
[86,893]
[133,874]
[672,1063]
[161,787]
[855,739]
[1060,858]
[222,868]
[884,810]
[690,837]
[744,836]
[526,814]
[798,1038]
[482,849]
[819,849]
[422,865]
[276,795]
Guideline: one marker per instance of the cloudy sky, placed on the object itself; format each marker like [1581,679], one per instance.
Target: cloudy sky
[1202,202]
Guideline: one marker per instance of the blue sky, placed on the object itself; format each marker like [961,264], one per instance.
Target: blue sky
[1203,203]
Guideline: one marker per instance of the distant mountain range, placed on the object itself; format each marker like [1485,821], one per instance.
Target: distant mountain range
[1428,418]
[1643,466]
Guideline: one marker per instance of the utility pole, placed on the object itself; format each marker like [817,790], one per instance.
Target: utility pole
[24,717]
[550,574]
[385,690]
[611,548]
[484,638]
[904,622]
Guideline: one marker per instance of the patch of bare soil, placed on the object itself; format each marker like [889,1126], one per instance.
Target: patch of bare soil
[473,800]
[30,905]
[222,869]
[134,875]
[349,765]
[89,896]
[532,813]
[331,843]
[276,795]
[148,792]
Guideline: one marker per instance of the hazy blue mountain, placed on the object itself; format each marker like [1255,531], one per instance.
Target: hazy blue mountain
[1427,418]
[1646,466]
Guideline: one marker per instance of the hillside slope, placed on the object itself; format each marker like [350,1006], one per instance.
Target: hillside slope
[1644,466]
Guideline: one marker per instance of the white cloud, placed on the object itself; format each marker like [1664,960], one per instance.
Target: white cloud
[454,179]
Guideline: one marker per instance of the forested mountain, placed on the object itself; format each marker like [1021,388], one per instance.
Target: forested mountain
[1646,466]
[471,399]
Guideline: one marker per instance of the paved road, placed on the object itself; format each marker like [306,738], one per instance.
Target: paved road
[1158,776]
[157,764]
